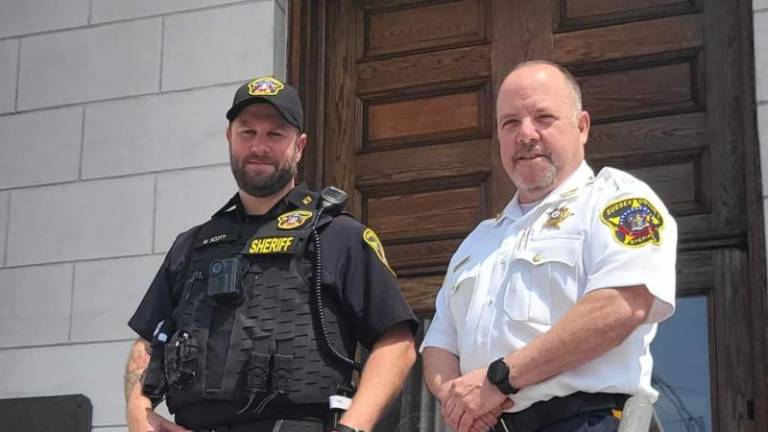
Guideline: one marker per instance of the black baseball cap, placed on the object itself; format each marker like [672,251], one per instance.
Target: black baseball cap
[269,89]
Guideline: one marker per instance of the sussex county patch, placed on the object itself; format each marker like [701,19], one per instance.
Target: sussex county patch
[293,219]
[373,241]
[266,86]
[634,221]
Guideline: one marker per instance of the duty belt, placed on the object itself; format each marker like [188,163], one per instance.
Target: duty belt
[547,413]
[271,425]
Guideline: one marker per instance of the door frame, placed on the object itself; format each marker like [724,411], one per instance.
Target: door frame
[306,71]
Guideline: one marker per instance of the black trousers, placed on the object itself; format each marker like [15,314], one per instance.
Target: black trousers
[578,412]
[596,421]
[286,425]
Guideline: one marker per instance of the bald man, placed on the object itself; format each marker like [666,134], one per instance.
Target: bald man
[547,312]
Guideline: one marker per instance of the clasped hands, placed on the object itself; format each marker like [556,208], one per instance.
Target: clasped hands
[472,404]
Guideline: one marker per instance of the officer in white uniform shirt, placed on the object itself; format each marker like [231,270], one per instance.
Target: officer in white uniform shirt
[547,312]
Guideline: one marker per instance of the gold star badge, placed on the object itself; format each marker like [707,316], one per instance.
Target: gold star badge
[557,216]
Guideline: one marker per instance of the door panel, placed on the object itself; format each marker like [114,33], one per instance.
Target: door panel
[389,30]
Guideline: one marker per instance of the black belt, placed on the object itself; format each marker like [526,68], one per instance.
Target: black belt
[547,413]
[271,425]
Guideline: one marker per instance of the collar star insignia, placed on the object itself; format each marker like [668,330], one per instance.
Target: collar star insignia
[557,216]
[307,199]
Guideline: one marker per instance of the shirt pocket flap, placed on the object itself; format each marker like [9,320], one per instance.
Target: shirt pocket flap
[564,250]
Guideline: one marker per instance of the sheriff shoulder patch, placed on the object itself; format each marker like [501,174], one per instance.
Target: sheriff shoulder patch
[271,245]
[370,238]
[635,222]
[293,219]
[265,86]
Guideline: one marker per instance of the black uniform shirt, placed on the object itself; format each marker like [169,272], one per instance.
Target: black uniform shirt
[352,272]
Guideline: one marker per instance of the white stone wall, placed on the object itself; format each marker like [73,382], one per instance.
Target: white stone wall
[111,142]
[761,88]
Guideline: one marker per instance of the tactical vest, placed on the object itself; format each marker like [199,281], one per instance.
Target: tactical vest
[246,324]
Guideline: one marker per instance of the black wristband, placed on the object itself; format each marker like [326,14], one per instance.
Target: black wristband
[344,428]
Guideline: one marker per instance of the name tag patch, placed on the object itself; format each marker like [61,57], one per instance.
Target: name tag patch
[217,239]
[272,245]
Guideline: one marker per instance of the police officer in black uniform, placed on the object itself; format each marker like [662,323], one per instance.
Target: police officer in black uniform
[252,321]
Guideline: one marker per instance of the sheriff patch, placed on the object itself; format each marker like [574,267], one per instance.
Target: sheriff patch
[293,219]
[373,241]
[634,222]
[265,86]
[272,245]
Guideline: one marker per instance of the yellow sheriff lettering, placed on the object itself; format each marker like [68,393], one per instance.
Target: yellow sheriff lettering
[270,245]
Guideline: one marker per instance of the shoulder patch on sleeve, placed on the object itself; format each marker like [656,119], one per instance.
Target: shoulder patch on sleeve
[634,222]
[372,240]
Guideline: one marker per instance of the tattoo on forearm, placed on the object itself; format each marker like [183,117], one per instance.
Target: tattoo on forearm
[131,379]
[137,366]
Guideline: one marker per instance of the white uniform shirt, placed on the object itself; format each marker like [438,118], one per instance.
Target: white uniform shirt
[514,277]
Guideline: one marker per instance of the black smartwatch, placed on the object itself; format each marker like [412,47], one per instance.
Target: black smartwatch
[498,375]
[344,428]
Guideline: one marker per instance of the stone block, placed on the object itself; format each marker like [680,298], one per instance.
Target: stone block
[761,55]
[90,64]
[36,305]
[111,10]
[32,16]
[95,219]
[106,294]
[4,209]
[95,370]
[40,147]
[221,45]
[280,42]
[762,130]
[765,226]
[9,53]
[188,198]
[168,131]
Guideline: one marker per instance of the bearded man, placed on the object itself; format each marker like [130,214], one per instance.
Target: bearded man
[252,321]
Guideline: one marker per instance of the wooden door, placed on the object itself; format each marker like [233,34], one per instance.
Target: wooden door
[400,97]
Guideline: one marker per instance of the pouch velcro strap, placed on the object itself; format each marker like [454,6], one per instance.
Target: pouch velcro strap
[281,373]
[257,373]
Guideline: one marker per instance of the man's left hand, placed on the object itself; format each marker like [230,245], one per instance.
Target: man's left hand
[469,397]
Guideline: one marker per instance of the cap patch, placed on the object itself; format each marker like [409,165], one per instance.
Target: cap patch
[293,219]
[634,222]
[266,86]
[373,241]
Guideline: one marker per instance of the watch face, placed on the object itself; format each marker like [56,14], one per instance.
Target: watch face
[498,372]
